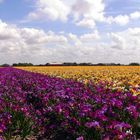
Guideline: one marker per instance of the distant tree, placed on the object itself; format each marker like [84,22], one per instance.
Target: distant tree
[40,65]
[113,64]
[69,64]
[74,64]
[5,65]
[47,64]
[134,64]
[101,64]
[14,64]
[22,64]
[85,64]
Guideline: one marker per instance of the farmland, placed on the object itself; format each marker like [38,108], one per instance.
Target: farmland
[115,77]
[70,70]
[70,103]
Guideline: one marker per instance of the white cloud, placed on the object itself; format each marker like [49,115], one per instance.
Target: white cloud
[74,39]
[134,32]
[90,36]
[118,42]
[37,46]
[33,36]
[87,23]
[89,9]
[128,39]
[87,12]
[83,13]
[84,39]
[135,15]
[7,32]
[121,19]
[50,10]
[26,44]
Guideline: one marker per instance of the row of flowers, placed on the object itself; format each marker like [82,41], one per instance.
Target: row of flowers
[122,77]
[55,108]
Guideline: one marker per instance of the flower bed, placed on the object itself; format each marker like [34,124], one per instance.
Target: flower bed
[54,108]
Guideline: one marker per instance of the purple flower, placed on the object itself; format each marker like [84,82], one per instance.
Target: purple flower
[80,138]
[94,124]
[132,111]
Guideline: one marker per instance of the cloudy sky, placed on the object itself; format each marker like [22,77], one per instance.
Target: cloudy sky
[41,31]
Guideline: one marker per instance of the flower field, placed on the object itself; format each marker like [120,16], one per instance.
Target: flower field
[70,103]
[120,78]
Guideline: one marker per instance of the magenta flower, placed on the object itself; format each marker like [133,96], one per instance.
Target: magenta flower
[94,124]
[80,138]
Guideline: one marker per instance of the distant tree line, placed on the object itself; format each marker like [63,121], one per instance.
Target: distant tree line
[22,64]
[134,64]
[70,64]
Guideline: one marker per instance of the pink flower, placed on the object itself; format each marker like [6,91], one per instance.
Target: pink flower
[80,138]
[94,124]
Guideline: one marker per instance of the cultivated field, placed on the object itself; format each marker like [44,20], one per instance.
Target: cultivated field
[70,103]
[115,77]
